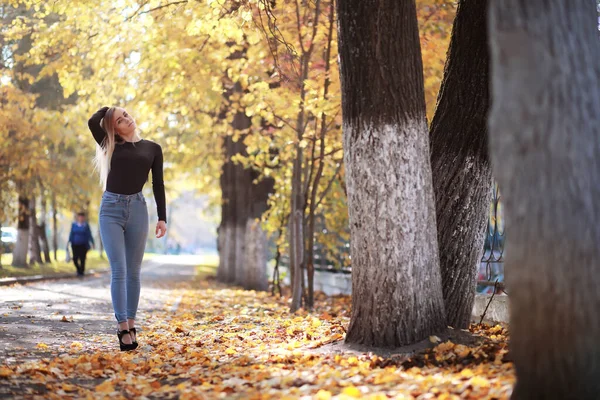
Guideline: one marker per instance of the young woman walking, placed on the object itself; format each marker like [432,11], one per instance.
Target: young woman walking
[124,160]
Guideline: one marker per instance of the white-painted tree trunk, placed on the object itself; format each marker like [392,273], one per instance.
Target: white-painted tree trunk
[21,247]
[396,285]
[239,264]
[256,257]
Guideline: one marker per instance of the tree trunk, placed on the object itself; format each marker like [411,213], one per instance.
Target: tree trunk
[20,250]
[226,233]
[35,253]
[243,187]
[45,247]
[296,254]
[42,229]
[459,160]
[256,257]
[545,147]
[296,230]
[396,286]
[310,234]
[55,227]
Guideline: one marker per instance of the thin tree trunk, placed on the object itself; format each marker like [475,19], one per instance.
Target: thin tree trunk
[45,247]
[310,234]
[22,245]
[42,230]
[296,254]
[459,160]
[35,254]
[55,227]
[545,147]
[396,287]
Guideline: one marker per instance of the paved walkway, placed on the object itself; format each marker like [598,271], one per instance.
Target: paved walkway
[43,319]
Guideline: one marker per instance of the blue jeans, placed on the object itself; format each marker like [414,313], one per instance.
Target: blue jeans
[124,229]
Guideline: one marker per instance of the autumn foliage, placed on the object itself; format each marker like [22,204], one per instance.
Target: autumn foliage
[170,71]
[226,342]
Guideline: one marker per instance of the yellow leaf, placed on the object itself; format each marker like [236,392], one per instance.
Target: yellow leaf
[76,345]
[5,371]
[479,381]
[42,346]
[230,351]
[323,395]
[352,392]
[466,373]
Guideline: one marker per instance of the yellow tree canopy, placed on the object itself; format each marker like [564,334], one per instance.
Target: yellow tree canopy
[169,62]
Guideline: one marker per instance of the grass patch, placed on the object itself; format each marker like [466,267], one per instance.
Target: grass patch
[208,266]
[93,261]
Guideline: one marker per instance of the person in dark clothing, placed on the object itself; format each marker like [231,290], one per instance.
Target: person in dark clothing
[124,161]
[80,239]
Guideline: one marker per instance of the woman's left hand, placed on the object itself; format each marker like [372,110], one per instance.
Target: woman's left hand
[161,229]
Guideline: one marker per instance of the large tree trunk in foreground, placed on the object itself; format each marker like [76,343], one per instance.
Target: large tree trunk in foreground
[459,160]
[22,245]
[396,287]
[545,143]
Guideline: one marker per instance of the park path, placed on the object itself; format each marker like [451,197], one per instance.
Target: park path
[37,319]
[203,340]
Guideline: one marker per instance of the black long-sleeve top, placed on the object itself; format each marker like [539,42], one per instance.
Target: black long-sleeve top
[130,165]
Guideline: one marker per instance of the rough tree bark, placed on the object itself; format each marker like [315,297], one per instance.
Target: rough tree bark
[459,160]
[396,286]
[545,148]
[20,250]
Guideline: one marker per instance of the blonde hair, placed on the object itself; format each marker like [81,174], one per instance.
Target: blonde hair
[105,151]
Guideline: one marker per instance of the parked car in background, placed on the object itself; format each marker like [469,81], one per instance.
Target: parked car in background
[9,238]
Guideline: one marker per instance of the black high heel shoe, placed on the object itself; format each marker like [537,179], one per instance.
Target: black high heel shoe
[125,346]
[135,334]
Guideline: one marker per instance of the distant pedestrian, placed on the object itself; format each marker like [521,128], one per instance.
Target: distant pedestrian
[124,160]
[80,239]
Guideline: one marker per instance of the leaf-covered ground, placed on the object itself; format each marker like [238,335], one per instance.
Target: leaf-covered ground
[228,343]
